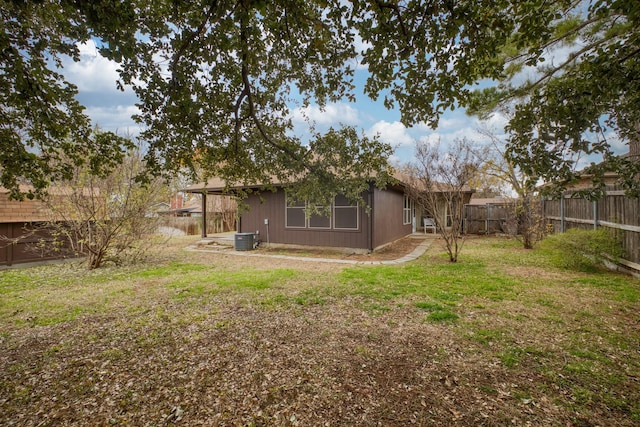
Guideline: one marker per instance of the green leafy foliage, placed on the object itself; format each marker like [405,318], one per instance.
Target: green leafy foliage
[354,155]
[571,106]
[43,128]
[216,81]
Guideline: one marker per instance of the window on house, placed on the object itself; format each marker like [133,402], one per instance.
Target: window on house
[407,210]
[319,220]
[345,214]
[295,214]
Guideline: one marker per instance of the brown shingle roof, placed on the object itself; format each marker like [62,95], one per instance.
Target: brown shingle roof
[219,186]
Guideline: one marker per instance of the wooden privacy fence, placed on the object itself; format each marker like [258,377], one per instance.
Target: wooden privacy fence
[25,242]
[615,211]
[491,218]
[193,225]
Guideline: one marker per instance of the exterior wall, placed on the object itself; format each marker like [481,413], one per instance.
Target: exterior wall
[271,206]
[387,216]
[386,213]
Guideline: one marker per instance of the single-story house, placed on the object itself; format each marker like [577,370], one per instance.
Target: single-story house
[392,214]
[191,208]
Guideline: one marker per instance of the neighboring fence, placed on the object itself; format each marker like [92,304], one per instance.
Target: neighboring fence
[19,243]
[22,230]
[193,225]
[490,218]
[615,211]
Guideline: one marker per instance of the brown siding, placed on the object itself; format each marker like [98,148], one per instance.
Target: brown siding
[387,216]
[21,227]
[272,207]
[17,244]
[6,254]
[386,212]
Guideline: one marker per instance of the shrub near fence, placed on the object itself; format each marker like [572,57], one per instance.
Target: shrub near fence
[615,211]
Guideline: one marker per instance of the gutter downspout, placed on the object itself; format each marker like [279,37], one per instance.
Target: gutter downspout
[371,217]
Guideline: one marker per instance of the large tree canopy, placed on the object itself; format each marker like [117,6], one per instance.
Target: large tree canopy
[216,78]
[215,82]
[572,91]
[43,130]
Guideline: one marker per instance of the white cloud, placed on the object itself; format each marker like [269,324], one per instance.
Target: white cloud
[116,119]
[432,138]
[551,57]
[618,145]
[331,115]
[423,127]
[450,130]
[95,77]
[93,73]
[395,134]
[497,121]
[361,46]
[452,123]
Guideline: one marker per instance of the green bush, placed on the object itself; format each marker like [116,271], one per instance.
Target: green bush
[583,249]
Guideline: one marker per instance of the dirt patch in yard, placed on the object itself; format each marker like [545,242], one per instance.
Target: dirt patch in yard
[227,256]
[395,250]
[392,251]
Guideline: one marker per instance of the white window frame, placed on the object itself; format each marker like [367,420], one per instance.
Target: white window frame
[407,210]
[332,216]
[356,207]
[286,215]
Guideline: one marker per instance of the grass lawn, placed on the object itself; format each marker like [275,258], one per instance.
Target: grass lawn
[501,338]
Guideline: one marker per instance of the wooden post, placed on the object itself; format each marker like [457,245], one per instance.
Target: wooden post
[595,214]
[204,214]
[562,225]
[486,218]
